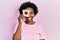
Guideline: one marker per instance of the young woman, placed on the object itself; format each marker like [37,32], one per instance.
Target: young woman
[28,29]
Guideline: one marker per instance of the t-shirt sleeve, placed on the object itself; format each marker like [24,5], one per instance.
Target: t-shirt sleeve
[41,32]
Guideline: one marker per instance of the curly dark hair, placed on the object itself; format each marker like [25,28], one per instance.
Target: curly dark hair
[28,4]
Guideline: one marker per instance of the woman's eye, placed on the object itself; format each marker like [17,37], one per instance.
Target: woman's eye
[26,13]
[31,12]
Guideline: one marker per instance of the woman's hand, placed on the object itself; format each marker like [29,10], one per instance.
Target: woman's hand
[20,19]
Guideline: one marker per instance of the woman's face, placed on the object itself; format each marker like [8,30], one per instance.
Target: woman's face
[31,13]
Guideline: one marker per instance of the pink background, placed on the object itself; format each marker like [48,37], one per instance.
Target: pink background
[48,16]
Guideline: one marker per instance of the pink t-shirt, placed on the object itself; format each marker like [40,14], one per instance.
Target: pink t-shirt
[32,32]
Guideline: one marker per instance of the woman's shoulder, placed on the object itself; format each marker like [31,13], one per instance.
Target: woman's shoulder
[38,24]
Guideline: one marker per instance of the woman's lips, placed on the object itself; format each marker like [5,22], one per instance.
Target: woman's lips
[29,18]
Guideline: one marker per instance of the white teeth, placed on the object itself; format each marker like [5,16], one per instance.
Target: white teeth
[29,18]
